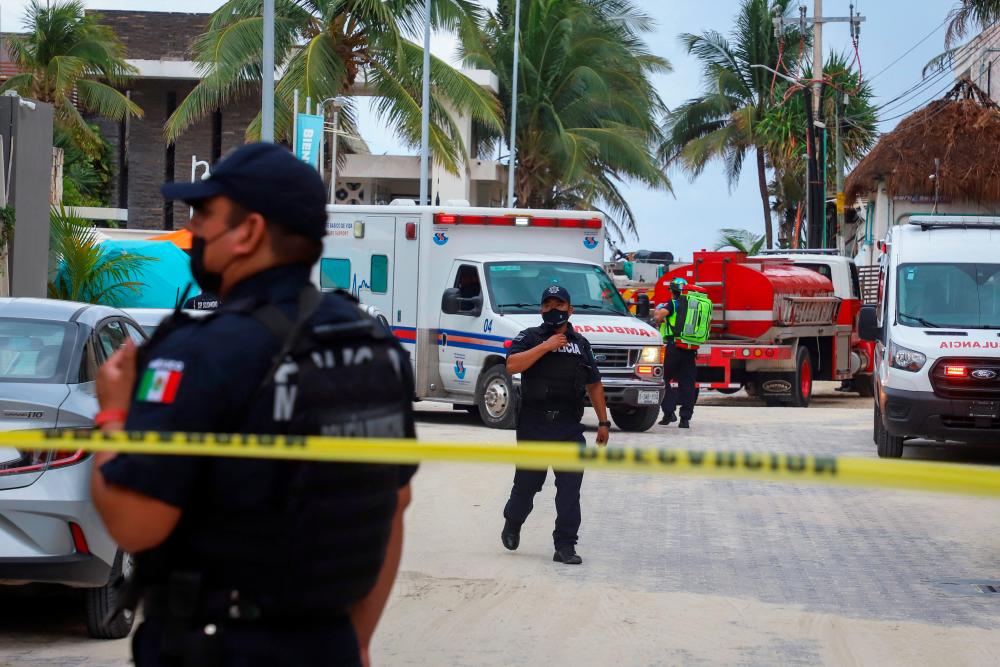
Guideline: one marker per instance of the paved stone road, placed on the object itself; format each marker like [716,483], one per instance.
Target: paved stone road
[676,571]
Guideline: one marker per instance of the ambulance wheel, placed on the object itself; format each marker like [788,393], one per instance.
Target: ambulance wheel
[863,384]
[802,385]
[888,446]
[635,419]
[497,398]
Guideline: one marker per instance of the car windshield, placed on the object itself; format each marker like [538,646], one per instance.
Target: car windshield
[962,296]
[515,287]
[30,350]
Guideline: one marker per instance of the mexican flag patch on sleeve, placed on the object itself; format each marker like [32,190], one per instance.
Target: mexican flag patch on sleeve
[160,381]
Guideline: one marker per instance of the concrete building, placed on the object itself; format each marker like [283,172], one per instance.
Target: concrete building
[158,44]
[978,61]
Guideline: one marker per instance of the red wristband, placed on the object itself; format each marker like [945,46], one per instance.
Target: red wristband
[110,416]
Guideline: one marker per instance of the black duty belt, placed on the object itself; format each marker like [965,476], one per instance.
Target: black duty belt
[552,415]
[226,605]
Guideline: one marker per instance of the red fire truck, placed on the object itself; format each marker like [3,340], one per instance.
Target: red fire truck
[780,322]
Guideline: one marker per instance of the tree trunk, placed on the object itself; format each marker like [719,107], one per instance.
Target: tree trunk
[764,197]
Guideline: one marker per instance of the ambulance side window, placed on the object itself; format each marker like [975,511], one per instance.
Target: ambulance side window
[334,273]
[380,274]
[469,287]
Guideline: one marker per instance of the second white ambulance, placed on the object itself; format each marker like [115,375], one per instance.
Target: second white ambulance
[937,327]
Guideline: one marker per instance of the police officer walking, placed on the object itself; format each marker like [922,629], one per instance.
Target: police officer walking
[557,367]
[679,363]
[242,561]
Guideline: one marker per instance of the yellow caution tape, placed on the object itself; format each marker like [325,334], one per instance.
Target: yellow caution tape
[764,466]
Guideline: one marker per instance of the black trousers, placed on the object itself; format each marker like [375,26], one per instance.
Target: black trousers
[529,482]
[329,641]
[680,365]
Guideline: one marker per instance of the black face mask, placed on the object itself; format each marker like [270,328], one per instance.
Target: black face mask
[555,318]
[208,281]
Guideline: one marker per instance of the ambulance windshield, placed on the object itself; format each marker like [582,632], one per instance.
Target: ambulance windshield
[961,296]
[515,287]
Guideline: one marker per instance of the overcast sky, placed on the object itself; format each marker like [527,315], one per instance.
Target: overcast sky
[689,219]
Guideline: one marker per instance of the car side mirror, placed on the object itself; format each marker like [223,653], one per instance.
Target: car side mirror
[450,301]
[868,327]
[642,306]
[453,303]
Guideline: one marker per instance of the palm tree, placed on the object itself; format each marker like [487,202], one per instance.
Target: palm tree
[721,124]
[587,107]
[80,270]
[323,48]
[72,62]
[980,13]
[740,240]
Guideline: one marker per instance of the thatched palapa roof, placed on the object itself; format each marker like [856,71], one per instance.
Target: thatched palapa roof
[962,130]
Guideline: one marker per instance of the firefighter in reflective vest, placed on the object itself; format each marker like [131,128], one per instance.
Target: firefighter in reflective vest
[684,322]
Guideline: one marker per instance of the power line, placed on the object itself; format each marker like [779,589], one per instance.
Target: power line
[925,83]
[908,51]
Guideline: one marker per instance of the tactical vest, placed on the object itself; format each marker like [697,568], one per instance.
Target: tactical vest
[557,381]
[319,544]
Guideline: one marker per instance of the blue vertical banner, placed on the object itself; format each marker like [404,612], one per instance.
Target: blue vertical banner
[310,134]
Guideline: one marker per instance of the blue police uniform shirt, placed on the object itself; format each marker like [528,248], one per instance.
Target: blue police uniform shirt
[202,378]
[531,425]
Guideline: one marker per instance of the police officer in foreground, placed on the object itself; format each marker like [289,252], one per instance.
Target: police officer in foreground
[679,363]
[557,367]
[243,561]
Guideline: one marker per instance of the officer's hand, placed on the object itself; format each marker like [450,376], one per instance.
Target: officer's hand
[555,342]
[116,378]
[602,435]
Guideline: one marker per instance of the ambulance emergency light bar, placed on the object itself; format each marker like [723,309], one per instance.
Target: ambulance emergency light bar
[515,221]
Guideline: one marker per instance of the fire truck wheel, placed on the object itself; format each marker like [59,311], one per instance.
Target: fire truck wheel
[497,398]
[751,389]
[802,385]
[863,384]
[728,391]
[635,419]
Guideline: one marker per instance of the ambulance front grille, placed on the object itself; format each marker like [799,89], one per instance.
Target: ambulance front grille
[616,357]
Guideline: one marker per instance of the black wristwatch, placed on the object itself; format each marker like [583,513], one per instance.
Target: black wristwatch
[606,424]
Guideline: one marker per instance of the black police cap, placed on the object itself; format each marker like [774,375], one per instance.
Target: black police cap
[267,179]
[555,292]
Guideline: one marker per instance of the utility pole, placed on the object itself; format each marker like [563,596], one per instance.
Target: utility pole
[425,111]
[267,84]
[840,169]
[817,68]
[816,192]
[513,105]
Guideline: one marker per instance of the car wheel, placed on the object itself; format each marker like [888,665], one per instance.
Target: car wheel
[101,602]
[888,446]
[635,419]
[497,398]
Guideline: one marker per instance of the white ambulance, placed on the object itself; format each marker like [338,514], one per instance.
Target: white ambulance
[458,283]
[937,332]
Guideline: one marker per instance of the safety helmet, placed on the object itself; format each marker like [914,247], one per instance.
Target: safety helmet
[678,284]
